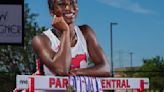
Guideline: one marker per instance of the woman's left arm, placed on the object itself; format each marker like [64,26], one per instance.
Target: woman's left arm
[101,68]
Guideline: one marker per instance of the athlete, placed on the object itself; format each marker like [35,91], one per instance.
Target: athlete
[66,49]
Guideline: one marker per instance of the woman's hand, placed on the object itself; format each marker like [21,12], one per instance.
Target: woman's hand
[74,72]
[59,23]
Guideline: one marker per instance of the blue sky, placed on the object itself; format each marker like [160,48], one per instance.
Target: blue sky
[140,28]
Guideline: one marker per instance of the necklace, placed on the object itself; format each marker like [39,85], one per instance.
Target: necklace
[73,39]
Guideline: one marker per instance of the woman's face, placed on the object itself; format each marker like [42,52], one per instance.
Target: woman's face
[66,8]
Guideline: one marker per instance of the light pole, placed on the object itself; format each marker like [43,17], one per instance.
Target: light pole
[111,46]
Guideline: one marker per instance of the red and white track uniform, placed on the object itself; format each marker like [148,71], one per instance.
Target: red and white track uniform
[79,52]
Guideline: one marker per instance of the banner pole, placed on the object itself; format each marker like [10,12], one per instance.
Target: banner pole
[31,84]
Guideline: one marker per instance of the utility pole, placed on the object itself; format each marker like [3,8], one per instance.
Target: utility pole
[131,59]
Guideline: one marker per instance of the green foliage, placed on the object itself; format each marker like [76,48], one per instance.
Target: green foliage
[6,82]
[19,59]
[153,69]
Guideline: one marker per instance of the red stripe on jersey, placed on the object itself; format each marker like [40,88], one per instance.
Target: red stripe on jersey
[76,60]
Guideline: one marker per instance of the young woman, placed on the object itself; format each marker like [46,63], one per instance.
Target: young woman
[65,48]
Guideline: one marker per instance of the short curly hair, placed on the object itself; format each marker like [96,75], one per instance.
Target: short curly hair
[50,4]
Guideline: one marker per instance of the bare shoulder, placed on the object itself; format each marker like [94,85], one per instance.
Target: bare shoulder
[87,31]
[40,41]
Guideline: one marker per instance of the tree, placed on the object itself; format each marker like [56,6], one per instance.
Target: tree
[154,69]
[19,59]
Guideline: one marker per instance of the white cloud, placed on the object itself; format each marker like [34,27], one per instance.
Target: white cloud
[127,5]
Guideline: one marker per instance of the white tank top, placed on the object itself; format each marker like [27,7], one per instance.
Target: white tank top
[79,52]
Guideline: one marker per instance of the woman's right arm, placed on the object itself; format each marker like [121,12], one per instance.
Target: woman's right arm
[58,62]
